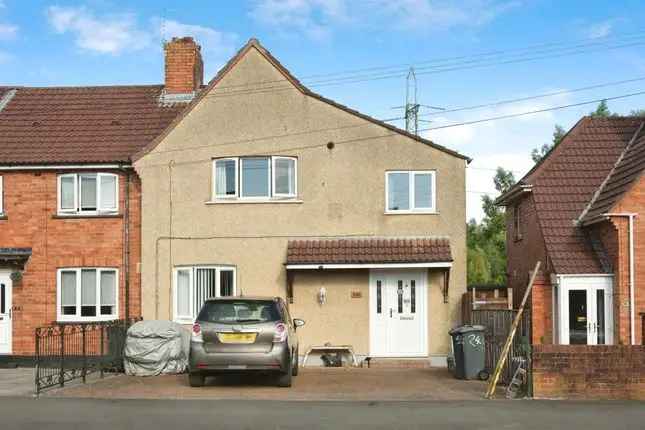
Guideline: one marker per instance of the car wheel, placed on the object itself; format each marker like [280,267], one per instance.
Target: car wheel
[284,379]
[196,380]
[296,364]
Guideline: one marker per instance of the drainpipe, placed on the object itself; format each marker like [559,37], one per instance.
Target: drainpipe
[126,244]
[631,217]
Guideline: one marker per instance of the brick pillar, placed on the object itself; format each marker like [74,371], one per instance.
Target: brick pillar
[541,310]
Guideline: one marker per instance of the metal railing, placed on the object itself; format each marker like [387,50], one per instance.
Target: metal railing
[65,352]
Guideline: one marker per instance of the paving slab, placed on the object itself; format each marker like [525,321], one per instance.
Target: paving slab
[17,382]
[312,384]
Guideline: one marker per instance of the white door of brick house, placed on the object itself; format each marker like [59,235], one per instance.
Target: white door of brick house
[5,313]
[585,310]
[398,314]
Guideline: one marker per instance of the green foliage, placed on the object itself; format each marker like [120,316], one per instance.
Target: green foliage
[538,153]
[487,240]
[602,111]
[637,112]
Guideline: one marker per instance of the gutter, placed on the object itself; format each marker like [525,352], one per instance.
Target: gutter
[63,166]
[631,217]
[512,194]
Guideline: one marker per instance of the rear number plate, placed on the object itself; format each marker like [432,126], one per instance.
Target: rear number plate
[237,366]
[237,337]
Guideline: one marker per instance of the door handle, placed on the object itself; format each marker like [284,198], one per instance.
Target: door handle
[10,309]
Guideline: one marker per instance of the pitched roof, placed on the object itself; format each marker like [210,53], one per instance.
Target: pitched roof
[80,124]
[369,250]
[567,180]
[627,170]
[270,86]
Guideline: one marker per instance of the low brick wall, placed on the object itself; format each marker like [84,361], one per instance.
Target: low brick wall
[589,372]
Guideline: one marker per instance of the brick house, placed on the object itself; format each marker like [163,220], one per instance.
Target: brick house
[580,212]
[70,201]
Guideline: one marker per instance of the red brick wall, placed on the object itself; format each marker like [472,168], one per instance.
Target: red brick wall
[541,311]
[30,201]
[184,67]
[523,254]
[589,372]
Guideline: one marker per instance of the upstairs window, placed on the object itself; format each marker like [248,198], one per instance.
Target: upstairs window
[88,194]
[410,192]
[517,223]
[255,178]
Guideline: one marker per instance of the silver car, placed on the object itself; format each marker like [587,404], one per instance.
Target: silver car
[244,334]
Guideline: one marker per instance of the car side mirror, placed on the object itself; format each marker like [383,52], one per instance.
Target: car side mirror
[297,322]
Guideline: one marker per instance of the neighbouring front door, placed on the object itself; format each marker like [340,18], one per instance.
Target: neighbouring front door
[5,313]
[398,321]
[586,310]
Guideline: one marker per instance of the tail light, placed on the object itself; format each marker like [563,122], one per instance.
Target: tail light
[197,333]
[280,333]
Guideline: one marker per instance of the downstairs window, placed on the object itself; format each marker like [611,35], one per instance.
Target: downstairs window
[194,284]
[87,294]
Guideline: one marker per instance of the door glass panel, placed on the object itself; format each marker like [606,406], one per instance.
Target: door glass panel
[578,317]
[400,296]
[413,297]
[2,299]
[226,280]
[379,305]
[600,316]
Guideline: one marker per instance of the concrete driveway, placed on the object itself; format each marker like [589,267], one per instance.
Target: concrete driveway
[17,382]
[311,384]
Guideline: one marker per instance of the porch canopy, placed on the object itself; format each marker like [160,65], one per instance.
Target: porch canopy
[369,253]
[14,257]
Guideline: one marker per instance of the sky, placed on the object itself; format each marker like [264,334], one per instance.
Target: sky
[465,53]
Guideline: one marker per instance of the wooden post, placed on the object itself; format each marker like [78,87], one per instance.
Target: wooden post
[490,392]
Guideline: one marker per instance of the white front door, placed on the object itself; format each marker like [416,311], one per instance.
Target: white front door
[398,321]
[586,311]
[5,313]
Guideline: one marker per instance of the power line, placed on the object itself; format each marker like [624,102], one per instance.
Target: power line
[434,70]
[367,138]
[402,68]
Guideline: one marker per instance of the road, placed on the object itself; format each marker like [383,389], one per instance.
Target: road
[52,414]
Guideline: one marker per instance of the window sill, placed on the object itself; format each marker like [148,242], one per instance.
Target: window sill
[80,320]
[411,213]
[84,216]
[251,201]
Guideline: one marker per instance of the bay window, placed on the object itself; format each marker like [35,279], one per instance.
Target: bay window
[255,178]
[410,191]
[88,194]
[87,294]
[194,284]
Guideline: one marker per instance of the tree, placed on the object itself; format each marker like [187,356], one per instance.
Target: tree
[602,111]
[637,112]
[538,153]
[487,240]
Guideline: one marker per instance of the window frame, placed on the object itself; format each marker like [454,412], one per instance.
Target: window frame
[412,209]
[189,319]
[517,223]
[239,183]
[60,317]
[77,209]
[237,179]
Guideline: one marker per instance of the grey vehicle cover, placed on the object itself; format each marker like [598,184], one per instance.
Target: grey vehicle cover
[155,348]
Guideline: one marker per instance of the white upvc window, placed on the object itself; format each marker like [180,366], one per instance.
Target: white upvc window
[410,191]
[1,196]
[87,294]
[88,193]
[255,178]
[194,284]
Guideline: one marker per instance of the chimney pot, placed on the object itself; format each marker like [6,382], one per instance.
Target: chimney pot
[184,68]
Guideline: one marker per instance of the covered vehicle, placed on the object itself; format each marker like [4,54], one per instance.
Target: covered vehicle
[244,334]
[155,348]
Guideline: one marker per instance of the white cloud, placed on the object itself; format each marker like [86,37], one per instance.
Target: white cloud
[600,30]
[111,34]
[311,17]
[317,18]
[506,143]
[8,31]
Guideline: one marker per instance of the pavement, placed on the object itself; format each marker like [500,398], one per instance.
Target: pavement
[65,414]
[313,384]
[16,382]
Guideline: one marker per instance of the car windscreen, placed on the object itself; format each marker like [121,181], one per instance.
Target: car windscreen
[243,311]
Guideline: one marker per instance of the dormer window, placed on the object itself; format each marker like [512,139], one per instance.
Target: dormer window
[255,178]
[88,194]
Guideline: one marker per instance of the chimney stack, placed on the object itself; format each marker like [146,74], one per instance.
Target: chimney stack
[184,66]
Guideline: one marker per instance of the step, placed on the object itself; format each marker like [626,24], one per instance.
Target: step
[398,363]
